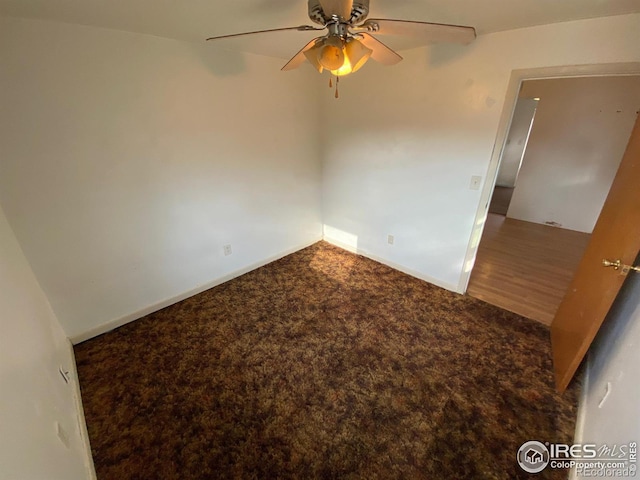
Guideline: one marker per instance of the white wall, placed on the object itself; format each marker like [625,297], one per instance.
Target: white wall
[581,130]
[33,395]
[613,366]
[402,143]
[128,161]
[516,143]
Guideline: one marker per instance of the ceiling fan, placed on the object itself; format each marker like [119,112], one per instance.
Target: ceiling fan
[348,43]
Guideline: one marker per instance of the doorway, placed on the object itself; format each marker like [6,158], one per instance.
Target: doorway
[532,244]
[513,154]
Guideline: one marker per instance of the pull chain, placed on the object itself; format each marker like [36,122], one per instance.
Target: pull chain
[337,94]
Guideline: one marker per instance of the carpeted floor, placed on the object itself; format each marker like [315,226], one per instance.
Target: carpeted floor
[323,364]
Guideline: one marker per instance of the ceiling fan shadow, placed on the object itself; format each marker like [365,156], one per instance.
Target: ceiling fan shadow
[269,6]
[441,54]
[221,62]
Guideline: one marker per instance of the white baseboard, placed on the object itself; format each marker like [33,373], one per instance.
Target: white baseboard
[342,245]
[82,424]
[118,322]
[395,266]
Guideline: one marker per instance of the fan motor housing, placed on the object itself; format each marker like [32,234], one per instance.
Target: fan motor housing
[359,12]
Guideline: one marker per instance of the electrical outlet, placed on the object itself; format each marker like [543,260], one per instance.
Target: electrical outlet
[476,180]
[227,250]
[62,435]
[390,239]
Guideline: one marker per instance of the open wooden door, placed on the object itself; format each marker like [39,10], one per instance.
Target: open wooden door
[616,236]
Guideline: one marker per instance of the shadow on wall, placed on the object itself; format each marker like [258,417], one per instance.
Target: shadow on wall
[220,62]
[268,6]
[443,54]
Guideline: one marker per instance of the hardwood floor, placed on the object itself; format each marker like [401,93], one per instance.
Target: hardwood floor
[525,267]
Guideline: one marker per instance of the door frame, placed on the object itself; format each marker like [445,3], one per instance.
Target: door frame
[509,105]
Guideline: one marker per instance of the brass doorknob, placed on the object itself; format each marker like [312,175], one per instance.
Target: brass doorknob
[617,265]
[608,263]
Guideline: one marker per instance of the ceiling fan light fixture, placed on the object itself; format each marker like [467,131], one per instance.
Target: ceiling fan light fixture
[330,54]
[356,55]
[313,57]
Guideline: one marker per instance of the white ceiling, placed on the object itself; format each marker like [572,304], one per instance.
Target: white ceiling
[194,20]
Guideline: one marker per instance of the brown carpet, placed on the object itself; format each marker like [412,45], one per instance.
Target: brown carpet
[323,364]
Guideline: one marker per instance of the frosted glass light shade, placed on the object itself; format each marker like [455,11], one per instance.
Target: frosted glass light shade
[338,56]
[356,55]
[331,53]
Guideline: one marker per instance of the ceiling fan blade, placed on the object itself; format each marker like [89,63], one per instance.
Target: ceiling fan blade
[299,58]
[341,8]
[429,32]
[301,28]
[381,53]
